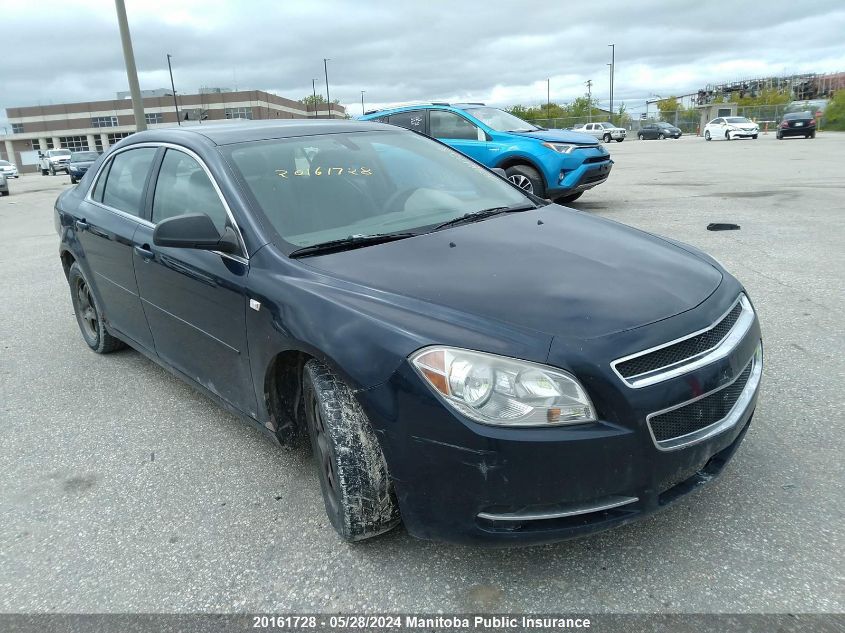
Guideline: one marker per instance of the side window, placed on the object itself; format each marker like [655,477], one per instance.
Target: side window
[412,120]
[124,187]
[97,194]
[589,126]
[452,126]
[184,187]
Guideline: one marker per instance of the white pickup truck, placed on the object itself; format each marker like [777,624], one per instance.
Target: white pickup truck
[603,131]
[54,160]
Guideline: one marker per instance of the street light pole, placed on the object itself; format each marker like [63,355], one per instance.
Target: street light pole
[131,71]
[590,99]
[328,96]
[362,102]
[314,90]
[173,86]
[612,76]
[548,98]
[610,87]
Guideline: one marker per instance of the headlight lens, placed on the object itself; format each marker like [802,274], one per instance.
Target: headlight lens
[560,148]
[503,391]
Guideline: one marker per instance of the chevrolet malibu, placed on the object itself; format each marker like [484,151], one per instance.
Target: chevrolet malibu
[463,357]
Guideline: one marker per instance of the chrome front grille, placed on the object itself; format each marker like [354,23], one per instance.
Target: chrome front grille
[690,352]
[710,413]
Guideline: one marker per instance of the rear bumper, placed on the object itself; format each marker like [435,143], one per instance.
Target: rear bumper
[797,131]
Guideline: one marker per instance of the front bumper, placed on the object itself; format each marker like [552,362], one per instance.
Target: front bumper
[586,176]
[460,481]
[743,133]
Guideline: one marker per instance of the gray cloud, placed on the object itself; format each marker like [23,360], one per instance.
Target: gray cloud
[502,53]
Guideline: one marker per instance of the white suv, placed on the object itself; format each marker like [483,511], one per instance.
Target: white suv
[604,131]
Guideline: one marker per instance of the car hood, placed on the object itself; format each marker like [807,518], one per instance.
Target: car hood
[553,270]
[560,136]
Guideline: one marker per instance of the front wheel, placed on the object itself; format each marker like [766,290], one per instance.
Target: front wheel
[88,314]
[356,484]
[52,171]
[727,136]
[707,135]
[527,178]
[606,138]
[754,136]
[73,180]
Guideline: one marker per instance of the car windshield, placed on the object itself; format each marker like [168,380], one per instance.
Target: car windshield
[4,163]
[315,189]
[501,121]
[607,126]
[662,124]
[60,152]
[798,115]
[79,157]
[737,119]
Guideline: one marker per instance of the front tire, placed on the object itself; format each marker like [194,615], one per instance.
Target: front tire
[606,138]
[728,136]
[527,178]
[52,171]
[707,135]
[356,484]
[88,314]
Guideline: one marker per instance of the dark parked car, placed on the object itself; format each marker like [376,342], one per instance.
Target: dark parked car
[797,124]
[79,164]
[659,130]
[464,356]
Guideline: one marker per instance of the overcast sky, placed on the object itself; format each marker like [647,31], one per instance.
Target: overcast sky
[404,50]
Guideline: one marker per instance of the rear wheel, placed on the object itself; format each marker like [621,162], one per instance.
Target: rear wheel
[570,198]
[640,136]
[661,136]
[88,314]
[356,485]
[526,178]
[779,136]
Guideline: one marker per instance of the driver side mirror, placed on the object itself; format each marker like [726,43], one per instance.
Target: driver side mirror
[194,230]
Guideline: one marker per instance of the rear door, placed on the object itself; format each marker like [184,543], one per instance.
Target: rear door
[415,120]
[195,300]
[462,134]
[107,222]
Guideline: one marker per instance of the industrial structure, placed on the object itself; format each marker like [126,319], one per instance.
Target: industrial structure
[96,125]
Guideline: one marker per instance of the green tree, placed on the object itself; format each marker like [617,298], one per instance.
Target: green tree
[834,113]
[668,106]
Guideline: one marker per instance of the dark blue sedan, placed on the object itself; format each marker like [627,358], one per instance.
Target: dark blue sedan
[463,356]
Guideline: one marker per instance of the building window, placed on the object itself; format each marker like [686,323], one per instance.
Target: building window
[117,137]
[104,121]
[154,117]
[238,113]
[98,143]
[17,128]
[49,143]
[74,143]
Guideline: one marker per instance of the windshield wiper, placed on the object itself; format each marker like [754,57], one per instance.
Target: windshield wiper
[468,218]
[348,243]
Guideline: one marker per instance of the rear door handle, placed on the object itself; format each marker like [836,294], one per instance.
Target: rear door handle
[144,252]
[81,225]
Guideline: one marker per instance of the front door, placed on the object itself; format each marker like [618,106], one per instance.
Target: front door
[195,300]
[105,231]
[460,133]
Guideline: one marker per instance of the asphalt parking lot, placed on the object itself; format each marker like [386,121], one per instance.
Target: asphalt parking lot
[124,490]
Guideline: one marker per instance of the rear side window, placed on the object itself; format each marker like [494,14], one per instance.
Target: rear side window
[124,188]
[412,120]
[184,187]
[445,124]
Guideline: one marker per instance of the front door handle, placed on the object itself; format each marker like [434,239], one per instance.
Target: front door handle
[81,225]
[144,252]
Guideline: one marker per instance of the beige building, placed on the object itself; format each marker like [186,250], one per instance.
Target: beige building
[96,125]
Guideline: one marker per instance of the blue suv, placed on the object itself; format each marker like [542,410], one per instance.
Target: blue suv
[556,164]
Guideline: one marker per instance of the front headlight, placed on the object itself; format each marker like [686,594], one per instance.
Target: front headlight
[560,148]
[503,391]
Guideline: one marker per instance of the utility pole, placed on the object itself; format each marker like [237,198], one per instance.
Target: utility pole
[590,99]
[610,84]
[131,71]
[314,90]
[548,98]
[328,96]
[612,76]
[172,85]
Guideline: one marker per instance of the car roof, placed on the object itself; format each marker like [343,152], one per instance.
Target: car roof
[227,133]
[423,106]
